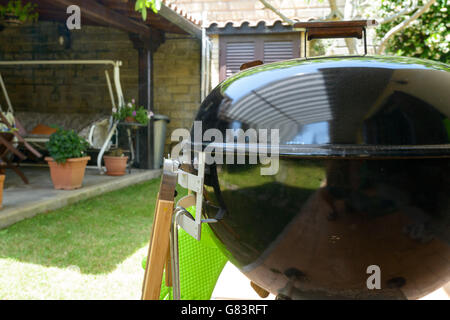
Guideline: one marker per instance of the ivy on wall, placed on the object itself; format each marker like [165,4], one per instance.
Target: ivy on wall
[427,37]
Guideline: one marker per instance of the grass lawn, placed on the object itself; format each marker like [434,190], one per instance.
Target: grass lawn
[89,250]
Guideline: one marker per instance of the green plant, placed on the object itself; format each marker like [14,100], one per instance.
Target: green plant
[143,5]
[142,116]
[132,110]
[428,37]
[24,13]
[116,153]
[66,144]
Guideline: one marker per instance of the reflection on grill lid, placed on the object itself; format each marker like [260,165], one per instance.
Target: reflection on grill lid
[340,104]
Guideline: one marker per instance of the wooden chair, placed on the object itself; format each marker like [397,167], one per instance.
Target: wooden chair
[7,149]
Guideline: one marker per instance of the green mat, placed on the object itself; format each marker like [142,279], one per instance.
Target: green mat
[201,263]
[447,126]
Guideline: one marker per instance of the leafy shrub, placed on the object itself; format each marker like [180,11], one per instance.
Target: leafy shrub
[428,37]
[66,144]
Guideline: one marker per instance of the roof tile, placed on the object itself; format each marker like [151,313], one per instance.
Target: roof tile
[252,11]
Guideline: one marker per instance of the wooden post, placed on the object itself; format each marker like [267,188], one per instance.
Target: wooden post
[160,238]
[146,100]
[146,48]
[168,269]
[157,254]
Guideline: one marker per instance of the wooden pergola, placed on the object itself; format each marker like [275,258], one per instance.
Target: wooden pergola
[121,15]
[147,35]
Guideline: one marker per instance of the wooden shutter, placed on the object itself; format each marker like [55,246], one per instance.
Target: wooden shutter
[278,50]
[238,53]
[238,49]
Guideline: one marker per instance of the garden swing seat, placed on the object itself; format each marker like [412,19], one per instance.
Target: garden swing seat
[10,138]
[99,132]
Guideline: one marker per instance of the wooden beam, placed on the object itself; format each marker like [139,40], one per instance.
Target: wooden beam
[157,38]
[95,11]
[335,29]
[168,16]
[146,99]
[336,24]
[155,20]
[146,141]
[180,21]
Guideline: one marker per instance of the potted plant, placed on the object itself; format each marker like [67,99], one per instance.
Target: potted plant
[132,113]
[67,159]
[115,163]
[15,13]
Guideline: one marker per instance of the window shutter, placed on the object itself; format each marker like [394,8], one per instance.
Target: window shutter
[238,53]
[235,50]
[278,50]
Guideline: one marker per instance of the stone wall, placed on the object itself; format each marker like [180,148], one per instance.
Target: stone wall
[82,89]
[65,89]
[177,83]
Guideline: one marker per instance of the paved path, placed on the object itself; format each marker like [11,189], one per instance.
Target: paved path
[21,201]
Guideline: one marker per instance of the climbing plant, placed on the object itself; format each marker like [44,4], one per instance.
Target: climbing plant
[427,37]
[143,5]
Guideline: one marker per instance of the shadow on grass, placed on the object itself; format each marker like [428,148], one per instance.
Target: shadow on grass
[95,235]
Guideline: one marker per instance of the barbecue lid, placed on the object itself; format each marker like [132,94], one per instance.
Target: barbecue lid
[372,105]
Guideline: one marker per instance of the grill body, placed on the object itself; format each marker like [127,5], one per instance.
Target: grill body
[362,185]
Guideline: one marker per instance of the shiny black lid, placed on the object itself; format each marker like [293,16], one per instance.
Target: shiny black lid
[340,106]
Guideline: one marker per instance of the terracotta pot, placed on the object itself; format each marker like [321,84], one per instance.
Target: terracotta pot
[70,175]
[12,20]
[130,119]
[2,180]
[115,166]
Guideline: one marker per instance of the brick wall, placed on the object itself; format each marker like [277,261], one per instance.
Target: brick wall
[65,89]
[82,89]
[177,81]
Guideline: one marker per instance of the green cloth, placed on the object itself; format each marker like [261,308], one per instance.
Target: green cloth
[201,263]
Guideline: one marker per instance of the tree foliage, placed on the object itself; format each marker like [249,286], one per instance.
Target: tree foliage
[427,37]
[143,5]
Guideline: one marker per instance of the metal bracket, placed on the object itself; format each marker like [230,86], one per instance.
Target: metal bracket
[182,218]
[195,184]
